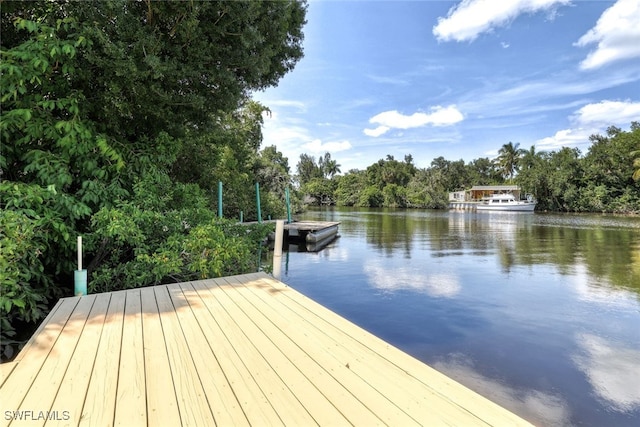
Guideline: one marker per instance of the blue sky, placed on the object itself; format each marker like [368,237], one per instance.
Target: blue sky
[457,79]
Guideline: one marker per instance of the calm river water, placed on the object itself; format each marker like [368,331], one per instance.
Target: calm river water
[538,312]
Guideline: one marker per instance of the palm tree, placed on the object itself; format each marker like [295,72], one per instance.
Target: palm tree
[509,158]
[328,166]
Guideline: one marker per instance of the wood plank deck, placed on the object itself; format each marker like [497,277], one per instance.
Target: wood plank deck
[240,350]
[308,226]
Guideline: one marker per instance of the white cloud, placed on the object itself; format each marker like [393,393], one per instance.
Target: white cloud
[470,18]
[564,138]
[608,113]
[286,103]
[617,35]
[592,119]
[612,371]
[437,285]
[388,80]
[543,408]
[380,130]
[439,116]
[317,146]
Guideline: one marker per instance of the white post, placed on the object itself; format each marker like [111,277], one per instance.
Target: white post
[277,249]
[80,275]
[79,252]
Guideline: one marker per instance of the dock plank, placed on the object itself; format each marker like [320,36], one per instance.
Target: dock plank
[362,367]
[78,375]
[221,398]
[99,405]
[45,386]
[462,400]
[5,370]
[276,348]
[15,388]
[262,362]
[218,329]
[239,350]
[162,405]
[289,336]
[192,403]
[131,402]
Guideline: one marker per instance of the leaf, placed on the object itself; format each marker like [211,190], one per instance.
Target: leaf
[19,303]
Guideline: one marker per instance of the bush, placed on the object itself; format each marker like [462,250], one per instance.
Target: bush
[24,287]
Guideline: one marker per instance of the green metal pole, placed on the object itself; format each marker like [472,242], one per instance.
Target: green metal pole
[219,199]
[288,202]
[258,203]
[241,216]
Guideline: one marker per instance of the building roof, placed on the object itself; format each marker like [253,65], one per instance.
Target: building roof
[495,187]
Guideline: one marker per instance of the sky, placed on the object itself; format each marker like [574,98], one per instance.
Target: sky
[457,79]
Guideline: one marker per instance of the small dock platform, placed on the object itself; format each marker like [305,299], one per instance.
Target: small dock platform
[311,231]
[233,351]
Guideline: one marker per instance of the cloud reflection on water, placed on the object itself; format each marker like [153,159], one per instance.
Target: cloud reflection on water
[612,371]
[541,408]
[442,284]
[597,290]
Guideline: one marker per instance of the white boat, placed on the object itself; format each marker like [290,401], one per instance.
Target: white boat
[506,202]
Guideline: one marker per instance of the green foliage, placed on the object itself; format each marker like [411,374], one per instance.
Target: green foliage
[563,180]
[24,283]
[349,187]
[371,197]
[508,160]
[142,247]
[117,121]
[308,169]
[321,189]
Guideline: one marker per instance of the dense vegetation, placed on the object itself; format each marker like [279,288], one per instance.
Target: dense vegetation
[605,179]
[118,120]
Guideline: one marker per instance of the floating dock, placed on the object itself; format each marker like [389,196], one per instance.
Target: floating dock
[234,351]
[311,231]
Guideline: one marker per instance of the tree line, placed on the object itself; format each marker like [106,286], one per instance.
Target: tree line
[605,179]
[118,120]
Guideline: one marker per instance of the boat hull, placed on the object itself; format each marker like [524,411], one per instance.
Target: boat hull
[517,207]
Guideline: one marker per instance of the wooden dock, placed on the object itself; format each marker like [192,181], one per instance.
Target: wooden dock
[311,231]
[241,350]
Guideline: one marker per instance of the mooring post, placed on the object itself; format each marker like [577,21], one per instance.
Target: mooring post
[288,203]
[219,199]
[80,275]
[258,203]
[277,249]
[277,246]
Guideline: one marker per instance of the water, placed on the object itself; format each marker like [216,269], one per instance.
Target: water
[538,312]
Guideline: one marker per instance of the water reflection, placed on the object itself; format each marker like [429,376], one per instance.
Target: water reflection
[539,407]
[608,247]
[589,288]
[612,371]
[441,284]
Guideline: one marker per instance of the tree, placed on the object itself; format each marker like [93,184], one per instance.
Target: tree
[508,159]
[99,100]
[483,171]
[308,169]
[328,166]
[349,187]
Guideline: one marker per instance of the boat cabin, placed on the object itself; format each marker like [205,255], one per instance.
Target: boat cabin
[478,193]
